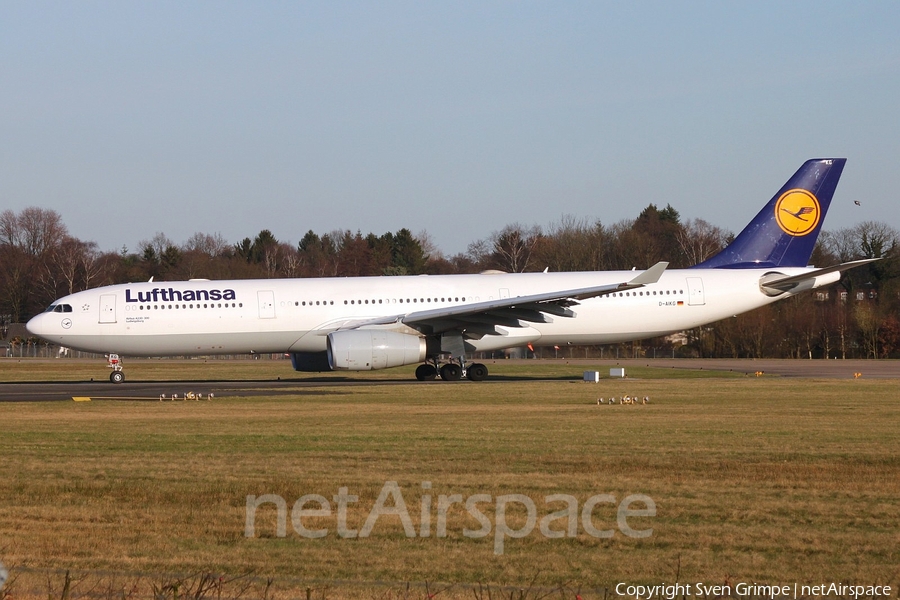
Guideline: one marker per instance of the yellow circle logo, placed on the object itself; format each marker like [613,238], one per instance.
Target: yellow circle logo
[797,212]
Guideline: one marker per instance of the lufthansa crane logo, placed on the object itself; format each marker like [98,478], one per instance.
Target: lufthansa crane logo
[797,212]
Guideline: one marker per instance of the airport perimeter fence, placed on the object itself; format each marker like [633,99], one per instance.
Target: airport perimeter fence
[18,347]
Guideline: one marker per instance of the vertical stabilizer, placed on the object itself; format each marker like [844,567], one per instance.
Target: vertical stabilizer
[784,232]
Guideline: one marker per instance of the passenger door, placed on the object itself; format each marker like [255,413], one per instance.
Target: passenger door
[107,308]
[266,304]
[695,291]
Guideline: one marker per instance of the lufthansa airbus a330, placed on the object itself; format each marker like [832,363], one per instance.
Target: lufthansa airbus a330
[435,321]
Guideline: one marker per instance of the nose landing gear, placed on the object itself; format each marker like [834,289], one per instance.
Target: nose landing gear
[115,363]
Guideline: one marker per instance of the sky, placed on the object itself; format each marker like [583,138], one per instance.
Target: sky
[454,118]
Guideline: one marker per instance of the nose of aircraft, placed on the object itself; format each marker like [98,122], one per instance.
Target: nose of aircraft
[35,325]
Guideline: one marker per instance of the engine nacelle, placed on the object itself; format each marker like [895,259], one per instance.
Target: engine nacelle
[370,349]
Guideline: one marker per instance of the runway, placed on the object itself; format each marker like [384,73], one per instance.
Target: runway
[817,369]
[300,385]
[151,391]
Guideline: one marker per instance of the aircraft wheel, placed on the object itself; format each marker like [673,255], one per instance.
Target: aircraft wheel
[451,372]
[426,372]
[477,372]
[117,376]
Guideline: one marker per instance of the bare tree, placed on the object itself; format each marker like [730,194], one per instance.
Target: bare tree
[42,230]
[429,248]
[574,244]
[700,240]
[842,243]
[62,271]
[91,264]
[513,247]
[34,230]
[479,253]
[290,260]
[28,240]
[211,245]
[156,247]
[869,322]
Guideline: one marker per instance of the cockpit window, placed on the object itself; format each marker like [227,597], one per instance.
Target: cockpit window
[59,308]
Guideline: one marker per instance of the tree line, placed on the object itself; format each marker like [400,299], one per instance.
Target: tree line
[40,261]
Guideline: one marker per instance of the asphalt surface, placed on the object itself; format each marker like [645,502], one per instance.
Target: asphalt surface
[816,369]
[154,391]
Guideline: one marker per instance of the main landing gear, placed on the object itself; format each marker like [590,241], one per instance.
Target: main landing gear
[452,371]
[115,363]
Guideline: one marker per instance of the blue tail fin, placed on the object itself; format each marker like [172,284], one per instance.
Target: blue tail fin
[784,232]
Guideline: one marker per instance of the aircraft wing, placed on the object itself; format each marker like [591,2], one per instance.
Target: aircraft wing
[481,318]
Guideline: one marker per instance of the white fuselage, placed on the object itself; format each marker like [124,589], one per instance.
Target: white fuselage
[295,315]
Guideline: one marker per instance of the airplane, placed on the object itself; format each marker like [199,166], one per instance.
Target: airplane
[436,321]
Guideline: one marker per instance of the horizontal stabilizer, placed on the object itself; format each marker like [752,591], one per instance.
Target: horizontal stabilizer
[787,283]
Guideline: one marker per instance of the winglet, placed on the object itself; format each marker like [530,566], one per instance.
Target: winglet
[649,276]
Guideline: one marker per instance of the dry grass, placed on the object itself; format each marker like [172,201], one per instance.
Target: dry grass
[766,480]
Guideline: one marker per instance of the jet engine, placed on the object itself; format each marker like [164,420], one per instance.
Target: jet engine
[370,349]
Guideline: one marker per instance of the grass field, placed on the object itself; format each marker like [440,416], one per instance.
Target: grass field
[757,480]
